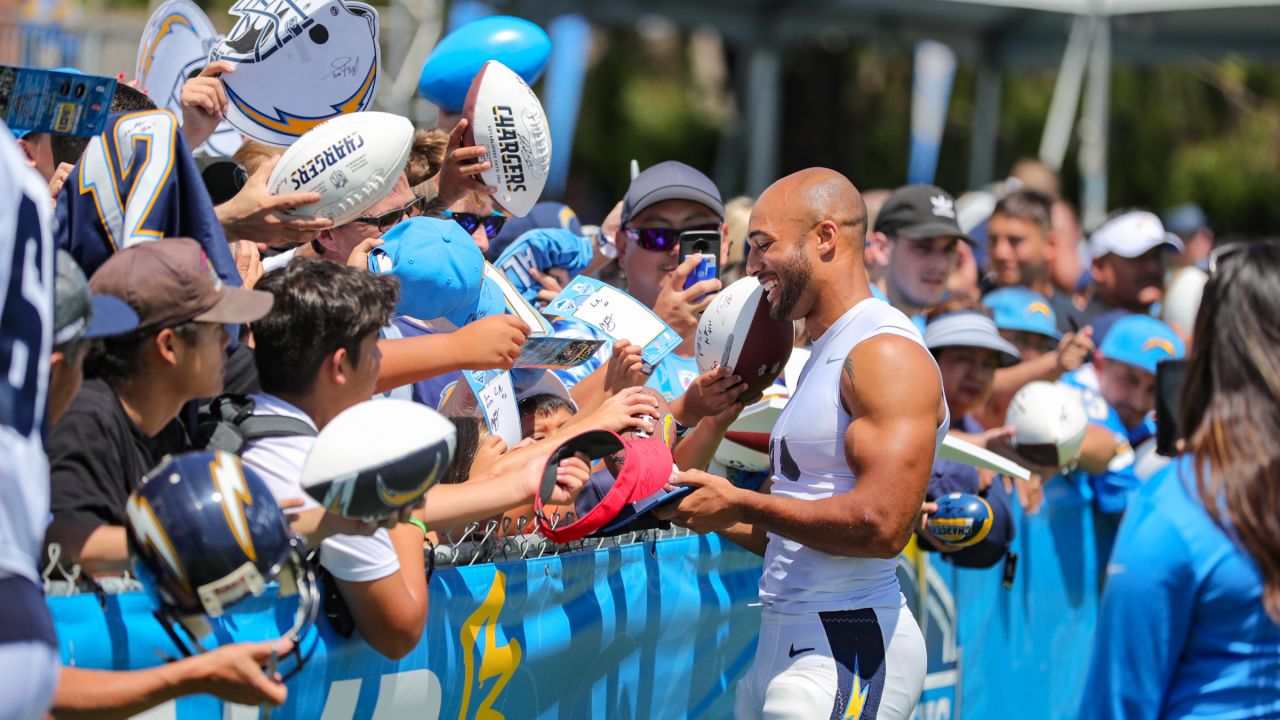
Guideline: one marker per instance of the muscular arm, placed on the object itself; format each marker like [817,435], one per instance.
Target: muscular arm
[391,611]
[891,387]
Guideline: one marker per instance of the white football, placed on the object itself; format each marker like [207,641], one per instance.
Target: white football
[1049,423]
[378,456]
[736,331]
[353,161]
[505,117]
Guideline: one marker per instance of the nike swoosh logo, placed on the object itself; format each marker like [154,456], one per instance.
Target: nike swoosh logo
[834,360]
[794,652]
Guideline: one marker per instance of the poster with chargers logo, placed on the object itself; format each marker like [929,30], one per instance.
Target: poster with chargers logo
[175,47]
[298,63]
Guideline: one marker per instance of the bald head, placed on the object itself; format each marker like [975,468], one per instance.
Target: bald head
[815,195]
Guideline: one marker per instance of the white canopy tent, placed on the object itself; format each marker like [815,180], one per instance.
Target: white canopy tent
[1082,37]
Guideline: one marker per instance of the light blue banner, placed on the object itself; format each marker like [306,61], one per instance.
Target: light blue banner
[648,630]
[934,72]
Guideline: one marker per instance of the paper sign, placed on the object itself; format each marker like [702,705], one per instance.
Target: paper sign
[556,353]
[617,315]
[497,398]
[48,101]
[517,305]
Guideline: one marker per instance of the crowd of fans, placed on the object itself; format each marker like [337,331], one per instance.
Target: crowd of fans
[237,303]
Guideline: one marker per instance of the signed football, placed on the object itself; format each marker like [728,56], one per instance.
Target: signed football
[353,161]
[737,332]
[378,456]
[505,117]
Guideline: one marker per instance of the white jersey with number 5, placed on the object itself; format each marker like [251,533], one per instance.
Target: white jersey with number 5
[26,321]
[808,457]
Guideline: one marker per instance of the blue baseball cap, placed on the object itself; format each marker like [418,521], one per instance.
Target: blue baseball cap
[1141,341]
[440,268]
[1017,308]
[547,214]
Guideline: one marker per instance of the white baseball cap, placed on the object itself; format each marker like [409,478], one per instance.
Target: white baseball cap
[1130,235]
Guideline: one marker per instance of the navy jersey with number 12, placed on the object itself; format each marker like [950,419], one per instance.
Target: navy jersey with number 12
[137,182]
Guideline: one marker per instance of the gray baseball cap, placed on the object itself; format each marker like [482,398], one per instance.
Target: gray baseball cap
[670,180]
[966,328]
[78,313]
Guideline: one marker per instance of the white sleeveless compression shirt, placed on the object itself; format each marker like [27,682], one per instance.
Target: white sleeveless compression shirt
[808,462]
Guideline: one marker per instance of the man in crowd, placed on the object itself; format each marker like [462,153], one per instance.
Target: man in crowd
[317,354]
[916,235]
[852,454]
[1019,244]
[1128,267]
[125,419]
[1118,391]
[662,202]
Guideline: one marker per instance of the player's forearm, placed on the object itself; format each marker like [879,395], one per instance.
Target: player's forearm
[105,695]
[748,537]
[843,525]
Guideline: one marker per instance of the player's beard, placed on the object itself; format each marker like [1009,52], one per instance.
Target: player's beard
[794,277]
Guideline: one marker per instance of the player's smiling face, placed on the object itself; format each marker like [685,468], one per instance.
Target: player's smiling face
[776,257]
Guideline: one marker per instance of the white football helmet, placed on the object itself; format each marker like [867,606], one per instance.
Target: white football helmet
[298,63]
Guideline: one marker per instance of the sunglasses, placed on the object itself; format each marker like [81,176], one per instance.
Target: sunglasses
[391,218]
[492,222]
[662,239]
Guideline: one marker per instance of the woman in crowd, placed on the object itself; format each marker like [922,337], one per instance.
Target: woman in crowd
[1188,624]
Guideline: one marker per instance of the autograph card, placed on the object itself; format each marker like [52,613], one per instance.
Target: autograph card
[516,304]
[55,102]
[617,315]
[497,399]
[556,353]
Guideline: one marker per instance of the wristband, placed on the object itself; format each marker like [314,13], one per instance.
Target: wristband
[419,524]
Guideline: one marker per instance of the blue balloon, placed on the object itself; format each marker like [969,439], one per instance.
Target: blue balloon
[447,73]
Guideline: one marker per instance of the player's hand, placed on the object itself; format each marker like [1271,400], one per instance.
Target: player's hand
[462,167]
[709,508]
[710,394]
[255,214]
[235,673]
[681,308]
[493,342]
[60,175]
[359,257]
[624,368]
[571,476]
[631,409]
[1074,349]
[204,100]
[248,262]
[927,509]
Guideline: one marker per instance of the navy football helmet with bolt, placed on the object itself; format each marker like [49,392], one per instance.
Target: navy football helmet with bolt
[204,534]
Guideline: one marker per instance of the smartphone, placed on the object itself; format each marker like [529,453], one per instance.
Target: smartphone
[706,242]
[1169,380]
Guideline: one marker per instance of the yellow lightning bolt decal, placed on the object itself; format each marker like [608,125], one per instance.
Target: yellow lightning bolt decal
[858,696]
[294,125]
[165,28]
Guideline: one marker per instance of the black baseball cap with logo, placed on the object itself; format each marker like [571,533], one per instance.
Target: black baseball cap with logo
[920,212]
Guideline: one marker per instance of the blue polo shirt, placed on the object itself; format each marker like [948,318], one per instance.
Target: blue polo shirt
[1182,632]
